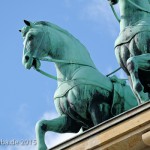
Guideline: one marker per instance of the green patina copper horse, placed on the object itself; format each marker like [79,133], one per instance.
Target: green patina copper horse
[84,96]
[132,47]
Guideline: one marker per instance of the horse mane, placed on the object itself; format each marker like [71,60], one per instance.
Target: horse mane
[48,24]
[45,23]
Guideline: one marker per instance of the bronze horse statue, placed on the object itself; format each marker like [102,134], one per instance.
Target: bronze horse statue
[132,47]
[84,97]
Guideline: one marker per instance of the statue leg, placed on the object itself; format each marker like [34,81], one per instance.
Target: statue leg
[133,65]
[62,124]
[99,112]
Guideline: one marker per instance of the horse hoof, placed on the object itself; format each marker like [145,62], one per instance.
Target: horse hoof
[145,98]
[42,148]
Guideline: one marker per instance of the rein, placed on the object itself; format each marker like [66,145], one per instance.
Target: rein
[62,61]
[58,61]
[74,62]
[114,12]
[47,74]
[134,4]
[65,62]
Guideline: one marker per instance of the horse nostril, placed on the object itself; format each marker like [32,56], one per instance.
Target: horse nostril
[26,58]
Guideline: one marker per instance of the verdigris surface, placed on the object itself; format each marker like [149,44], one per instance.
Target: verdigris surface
[132,47]
[84,96]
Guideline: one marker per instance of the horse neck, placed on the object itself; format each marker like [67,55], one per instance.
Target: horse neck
[66,47]
[131,15]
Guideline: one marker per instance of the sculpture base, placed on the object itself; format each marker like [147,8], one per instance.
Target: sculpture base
[128,131]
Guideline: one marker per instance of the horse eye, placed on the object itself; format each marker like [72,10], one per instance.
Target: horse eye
[30,37]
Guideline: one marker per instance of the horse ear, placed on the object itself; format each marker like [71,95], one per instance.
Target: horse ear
[27,22]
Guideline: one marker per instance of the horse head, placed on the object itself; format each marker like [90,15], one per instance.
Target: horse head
[35,46]
[44,41]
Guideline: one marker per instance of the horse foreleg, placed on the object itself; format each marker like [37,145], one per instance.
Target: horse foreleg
[62,124]
[133,64]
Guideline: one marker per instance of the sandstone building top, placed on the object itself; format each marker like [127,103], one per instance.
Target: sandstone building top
[128,131]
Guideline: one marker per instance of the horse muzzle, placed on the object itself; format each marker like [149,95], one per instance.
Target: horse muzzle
[29,62]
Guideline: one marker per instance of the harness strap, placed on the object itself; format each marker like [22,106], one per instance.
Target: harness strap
[58,61]
[65,61]
[70,62]
[113,72]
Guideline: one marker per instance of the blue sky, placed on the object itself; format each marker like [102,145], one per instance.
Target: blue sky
[27,96]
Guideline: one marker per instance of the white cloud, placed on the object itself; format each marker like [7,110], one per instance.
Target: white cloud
[22,121]
[121,74]
[51,138]
[68,3]
[49,115]
[19,148]
[23,126]
[100,12]
[95,10]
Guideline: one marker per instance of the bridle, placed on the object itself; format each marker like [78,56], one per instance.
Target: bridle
[54,60]
[75,62]
[65,62]
[59,61]
[134,4]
